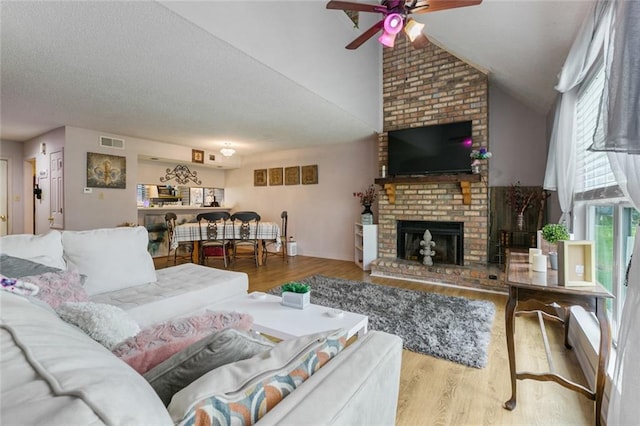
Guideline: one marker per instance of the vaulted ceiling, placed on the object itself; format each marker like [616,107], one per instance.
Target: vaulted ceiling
[263,75]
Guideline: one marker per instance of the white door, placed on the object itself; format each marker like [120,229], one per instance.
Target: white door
[4,197]
[57,190]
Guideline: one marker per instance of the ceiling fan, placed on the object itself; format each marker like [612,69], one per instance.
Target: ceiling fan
[396,17]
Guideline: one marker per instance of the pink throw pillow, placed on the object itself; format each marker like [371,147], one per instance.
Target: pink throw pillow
[159,342]
[57,288]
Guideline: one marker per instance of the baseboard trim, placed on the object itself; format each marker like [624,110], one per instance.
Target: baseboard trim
[440,284]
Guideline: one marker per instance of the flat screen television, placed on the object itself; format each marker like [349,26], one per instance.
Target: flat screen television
[437,149]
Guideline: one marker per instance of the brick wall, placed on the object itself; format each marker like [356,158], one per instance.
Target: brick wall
[425,87]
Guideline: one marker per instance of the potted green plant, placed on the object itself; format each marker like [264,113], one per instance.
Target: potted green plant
[552,233]
[296,295]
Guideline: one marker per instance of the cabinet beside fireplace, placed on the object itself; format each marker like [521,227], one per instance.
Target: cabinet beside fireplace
[366,245]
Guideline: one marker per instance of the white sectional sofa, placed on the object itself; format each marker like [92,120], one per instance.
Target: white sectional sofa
[54,373]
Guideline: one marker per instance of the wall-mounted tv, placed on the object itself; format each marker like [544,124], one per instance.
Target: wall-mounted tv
[441,148]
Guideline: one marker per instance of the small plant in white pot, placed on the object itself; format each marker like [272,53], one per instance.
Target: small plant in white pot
[296,295]
[552,233]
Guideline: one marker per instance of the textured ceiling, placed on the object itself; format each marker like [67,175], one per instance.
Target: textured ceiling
[264,75]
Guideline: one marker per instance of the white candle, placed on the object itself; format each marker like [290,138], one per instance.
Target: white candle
[539,263]
[533,252]
[384,171]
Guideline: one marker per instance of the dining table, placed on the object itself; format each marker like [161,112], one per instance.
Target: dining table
[190,232]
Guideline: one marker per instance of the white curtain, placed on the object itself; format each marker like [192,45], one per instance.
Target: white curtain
[620,121]
[561,159]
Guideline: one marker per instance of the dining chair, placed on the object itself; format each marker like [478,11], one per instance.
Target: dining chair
[184,249]
[245,235]
[213,239]
[266,244]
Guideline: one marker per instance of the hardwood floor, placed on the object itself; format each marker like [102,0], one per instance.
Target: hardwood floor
[438,392]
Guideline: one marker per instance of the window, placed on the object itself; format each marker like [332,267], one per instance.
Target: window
[601,212]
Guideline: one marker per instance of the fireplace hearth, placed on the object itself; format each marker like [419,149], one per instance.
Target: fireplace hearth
[448,238]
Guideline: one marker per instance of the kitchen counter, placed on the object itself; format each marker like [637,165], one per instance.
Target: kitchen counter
[184,208]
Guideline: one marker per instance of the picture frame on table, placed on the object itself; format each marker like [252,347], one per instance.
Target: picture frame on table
[576,263]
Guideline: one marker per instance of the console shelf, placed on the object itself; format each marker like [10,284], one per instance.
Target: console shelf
[464,179]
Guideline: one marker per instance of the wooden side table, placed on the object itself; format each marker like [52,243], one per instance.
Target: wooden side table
[534,293]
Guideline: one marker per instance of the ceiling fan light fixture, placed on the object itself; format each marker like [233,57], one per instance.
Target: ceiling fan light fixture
[413,29]
[387,39]
[393,23]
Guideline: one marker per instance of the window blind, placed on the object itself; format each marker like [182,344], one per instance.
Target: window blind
[592,167]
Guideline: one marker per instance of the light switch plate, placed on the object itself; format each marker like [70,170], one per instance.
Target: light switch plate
[88,190]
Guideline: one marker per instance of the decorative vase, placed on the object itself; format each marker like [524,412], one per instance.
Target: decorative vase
[553,260]
[367,215]
[520,221]
[475,169]
[296,300]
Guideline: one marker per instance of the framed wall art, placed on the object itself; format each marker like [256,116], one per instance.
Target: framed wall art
[310,175]
[292,175]
[197,156]
[275,176]
[260,177]
[106,171]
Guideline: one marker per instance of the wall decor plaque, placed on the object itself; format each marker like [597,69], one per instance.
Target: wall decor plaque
[292,175]
[106,171]
[310,174]
[197,156]
[260,177]
[275,176]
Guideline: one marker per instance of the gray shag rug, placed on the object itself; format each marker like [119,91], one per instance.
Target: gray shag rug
[452,328]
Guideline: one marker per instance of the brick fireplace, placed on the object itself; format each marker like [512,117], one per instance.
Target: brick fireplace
[425,87]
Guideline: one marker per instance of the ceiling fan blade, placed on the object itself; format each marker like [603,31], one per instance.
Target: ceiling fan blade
[365,36]
[426,6]
[360,7]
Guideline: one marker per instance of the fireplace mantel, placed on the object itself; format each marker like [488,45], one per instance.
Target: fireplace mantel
[464,179]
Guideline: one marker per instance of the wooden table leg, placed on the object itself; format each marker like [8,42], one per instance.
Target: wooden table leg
[567,319]
[195,256]
[509,318]
[605,346]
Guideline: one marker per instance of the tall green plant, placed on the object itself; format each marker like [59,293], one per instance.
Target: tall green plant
[554,232]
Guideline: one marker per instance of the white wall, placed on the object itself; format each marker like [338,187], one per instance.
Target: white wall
[518,141]
[352,79]
[322,216]
[55,142]
[107,207]
[149,172]
[13,153]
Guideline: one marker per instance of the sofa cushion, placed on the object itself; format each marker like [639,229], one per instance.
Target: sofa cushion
[157,343]
[220,348]
[53,373]
[16,267]
[56,288]
[179,290]
[106,324]
[45,249]
[244,391]
[111,258]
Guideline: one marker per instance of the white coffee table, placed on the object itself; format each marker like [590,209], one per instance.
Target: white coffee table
[272,318]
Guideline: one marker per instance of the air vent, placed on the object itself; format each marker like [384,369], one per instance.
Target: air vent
[111,142]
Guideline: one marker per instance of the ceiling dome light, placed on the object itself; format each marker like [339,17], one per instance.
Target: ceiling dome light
[227,151]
